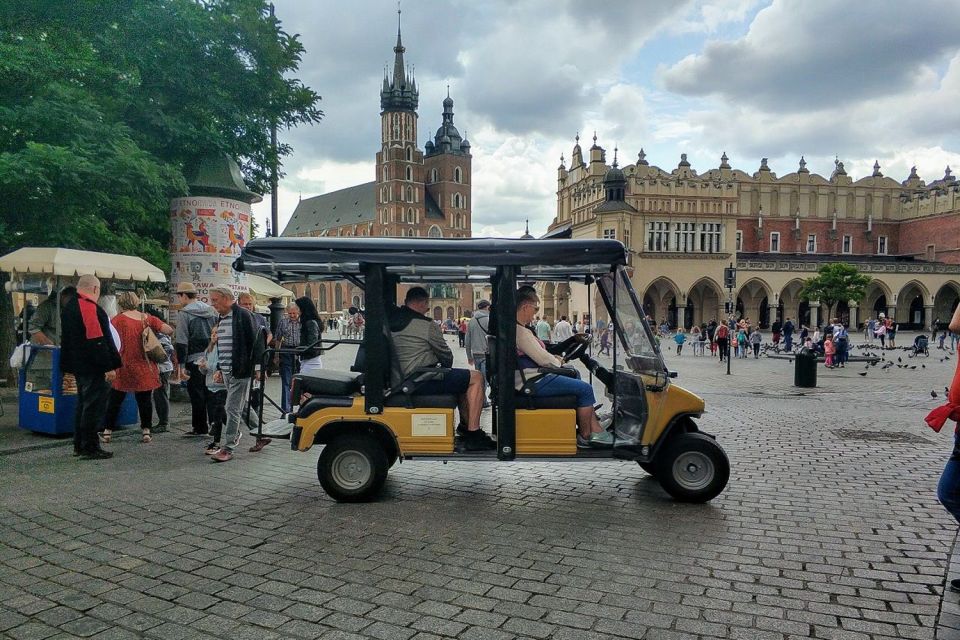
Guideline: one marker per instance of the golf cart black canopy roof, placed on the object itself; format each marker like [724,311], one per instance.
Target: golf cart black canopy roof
[423,259]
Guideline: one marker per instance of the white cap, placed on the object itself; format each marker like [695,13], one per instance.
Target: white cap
[882,315]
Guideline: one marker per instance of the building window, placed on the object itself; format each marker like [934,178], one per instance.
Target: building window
[609,234]
[409,154]
[775,242]
[410,216]
[435,232]
[812,243]
[409,194]
[685,237]
[931,253]
[847,246]
[882,245]
[409,173]
[457,201]
[433,175]
[711,234]
[458,175]
[658,236]
[739,242]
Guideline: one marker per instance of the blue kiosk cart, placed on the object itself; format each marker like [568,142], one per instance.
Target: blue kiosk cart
[47,401]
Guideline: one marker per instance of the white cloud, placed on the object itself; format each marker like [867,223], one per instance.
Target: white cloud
[800,55]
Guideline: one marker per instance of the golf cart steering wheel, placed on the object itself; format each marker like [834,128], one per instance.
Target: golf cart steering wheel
[581,342]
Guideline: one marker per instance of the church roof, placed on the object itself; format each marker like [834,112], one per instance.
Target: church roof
[352,205]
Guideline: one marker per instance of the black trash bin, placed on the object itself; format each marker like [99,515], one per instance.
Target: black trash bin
[805,368]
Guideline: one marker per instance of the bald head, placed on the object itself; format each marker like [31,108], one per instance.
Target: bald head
[89,285]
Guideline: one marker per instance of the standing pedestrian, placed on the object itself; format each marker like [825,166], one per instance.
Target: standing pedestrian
[756,339]
[680,338]
[776,328]
[161,395]
[892,328]
[217,390]
[723,341]
[948,488]
[562,330]
[310,343]
[246,301]
[841,340]
[695,339]
[543,330]
[742,342]
[195,322]
[239,345]
[90,354]
[137,374]
[475,342]
[882,331]
[288,337]
[828,351]
[788,330]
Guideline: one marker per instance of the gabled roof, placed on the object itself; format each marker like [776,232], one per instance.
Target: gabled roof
[353,205]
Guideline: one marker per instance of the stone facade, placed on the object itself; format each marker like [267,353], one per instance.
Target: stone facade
[682,228]
[417,193]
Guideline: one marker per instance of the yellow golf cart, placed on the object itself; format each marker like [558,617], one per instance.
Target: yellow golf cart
[367,424]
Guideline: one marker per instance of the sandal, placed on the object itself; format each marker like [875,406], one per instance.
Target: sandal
[146,436]
[105,436]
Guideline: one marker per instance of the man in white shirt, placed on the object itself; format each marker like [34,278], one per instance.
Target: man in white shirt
[543,329]
[562,330]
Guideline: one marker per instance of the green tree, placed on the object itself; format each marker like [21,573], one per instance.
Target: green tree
[835,282]
[104,102]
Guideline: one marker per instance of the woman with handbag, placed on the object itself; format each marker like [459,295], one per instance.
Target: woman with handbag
[309,336]
[140,351]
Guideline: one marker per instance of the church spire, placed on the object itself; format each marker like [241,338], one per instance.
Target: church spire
[400,93]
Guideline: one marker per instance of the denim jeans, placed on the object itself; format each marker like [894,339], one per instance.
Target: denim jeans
[948,490]
[287,365]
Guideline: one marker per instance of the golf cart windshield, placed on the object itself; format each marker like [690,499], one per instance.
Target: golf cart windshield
[641,353]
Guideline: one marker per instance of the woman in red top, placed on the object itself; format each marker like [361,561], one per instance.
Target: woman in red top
[137,374]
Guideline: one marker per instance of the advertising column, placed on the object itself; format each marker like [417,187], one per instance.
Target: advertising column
[207,234]
[209,228]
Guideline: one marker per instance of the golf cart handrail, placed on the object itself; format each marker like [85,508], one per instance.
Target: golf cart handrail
[425,260]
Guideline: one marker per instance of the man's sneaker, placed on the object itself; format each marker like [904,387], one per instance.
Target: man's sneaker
[160,428]
[955,584]
[193,434]
[600,440]
[478,441]
[462,430]
[212,448]
[260,444]
[96,454]
[236,440]
[223,455]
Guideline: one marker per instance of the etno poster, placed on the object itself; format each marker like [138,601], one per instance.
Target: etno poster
[207,235]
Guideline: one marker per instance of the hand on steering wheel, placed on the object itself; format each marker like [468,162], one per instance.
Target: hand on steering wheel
[581,344]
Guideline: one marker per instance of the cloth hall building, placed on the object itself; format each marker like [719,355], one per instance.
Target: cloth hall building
[414,194]
[683,227]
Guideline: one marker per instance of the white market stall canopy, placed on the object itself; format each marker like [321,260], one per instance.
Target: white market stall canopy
[54,261]
[266,287]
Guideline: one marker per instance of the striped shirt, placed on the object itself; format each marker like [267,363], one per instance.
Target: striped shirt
[289,331]
[225,342]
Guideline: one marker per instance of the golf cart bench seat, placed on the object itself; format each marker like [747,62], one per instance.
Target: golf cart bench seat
[329,383]
[415,401]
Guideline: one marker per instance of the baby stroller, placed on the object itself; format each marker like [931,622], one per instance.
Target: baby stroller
[920,345]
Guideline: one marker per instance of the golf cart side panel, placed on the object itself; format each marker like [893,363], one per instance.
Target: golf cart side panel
[415,430]
[665,406]
[546,432]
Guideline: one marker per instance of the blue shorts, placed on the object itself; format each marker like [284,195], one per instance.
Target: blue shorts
[556,385]
[455,382]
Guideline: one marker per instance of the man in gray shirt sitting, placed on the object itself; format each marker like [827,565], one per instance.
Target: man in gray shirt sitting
[419,343]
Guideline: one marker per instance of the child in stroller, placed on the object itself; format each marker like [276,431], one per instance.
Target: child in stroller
[920,345]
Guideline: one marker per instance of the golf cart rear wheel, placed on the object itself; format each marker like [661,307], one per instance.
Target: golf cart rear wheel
[352,468]
[693,468]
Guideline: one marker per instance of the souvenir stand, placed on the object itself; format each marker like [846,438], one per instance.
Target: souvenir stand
[47,402]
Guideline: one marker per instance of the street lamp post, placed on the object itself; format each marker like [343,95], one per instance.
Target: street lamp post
[730,280]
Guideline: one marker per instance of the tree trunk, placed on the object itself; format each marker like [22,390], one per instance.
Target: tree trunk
[7,331]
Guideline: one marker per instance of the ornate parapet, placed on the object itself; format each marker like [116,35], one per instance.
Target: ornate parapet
[786,264]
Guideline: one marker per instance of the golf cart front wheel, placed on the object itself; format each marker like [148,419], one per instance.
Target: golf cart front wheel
[693,468]
[352,468]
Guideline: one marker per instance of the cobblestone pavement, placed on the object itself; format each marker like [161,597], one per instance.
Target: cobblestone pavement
[829,528]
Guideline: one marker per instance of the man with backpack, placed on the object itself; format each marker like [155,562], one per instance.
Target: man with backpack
[195,324]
